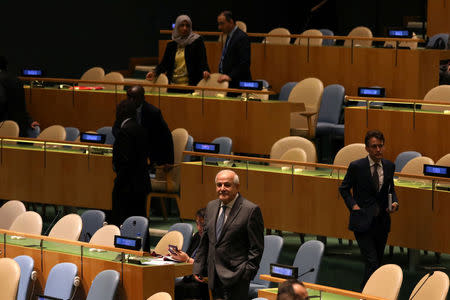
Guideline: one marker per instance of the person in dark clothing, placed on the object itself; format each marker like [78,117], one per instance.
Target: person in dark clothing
[184,61]
[188,287]
[130,152]
[12,100]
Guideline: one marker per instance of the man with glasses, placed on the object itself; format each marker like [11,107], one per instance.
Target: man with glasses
[233,241]
[368,191]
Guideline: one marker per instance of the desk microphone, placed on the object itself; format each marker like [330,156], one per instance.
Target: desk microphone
[53,222]
[429,275]
[309,271]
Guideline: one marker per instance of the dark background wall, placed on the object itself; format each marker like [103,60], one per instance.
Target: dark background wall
[68,37]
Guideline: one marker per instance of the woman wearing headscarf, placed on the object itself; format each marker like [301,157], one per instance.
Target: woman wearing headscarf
[184,60]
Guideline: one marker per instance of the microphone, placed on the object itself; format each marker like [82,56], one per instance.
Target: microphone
[309,271]
[53,222]
[429,275]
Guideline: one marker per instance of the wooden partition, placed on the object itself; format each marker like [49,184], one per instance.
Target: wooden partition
[438,17]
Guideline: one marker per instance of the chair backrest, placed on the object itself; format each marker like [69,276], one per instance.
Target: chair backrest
[60,280]
[186,230]
[212,83]
[271,253]
[105,236]
[9,128]
[432,286]
[33,132]
[95,73]
[309,256]
[26,264]
[278,40]
[289,142]
[170,238]
[312,42]
[104,285]
[9,212]
[308,91]
[327,32]
[359,31]
[161,79]
[444,161]
[189,147]
[68,227]
[286,90]
[92,220]
[403,157]
[415,166]
[113,77]
[72,133]
[180,138]
[107,130]
[385,282]
[135,226]
[29,222]
[295,154]
[433,39]
[226,147]
[440,93]
[331,105]
[160,296]
[9,278]
[242,26]
[54,132]
[349,153]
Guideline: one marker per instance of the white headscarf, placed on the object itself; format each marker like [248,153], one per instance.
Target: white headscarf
[180,40]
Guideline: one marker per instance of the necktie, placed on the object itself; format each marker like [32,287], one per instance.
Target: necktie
[376,179]
[223,54]
[220,221]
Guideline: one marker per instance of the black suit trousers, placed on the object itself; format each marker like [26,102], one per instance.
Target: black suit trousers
[371,244]
[237,291]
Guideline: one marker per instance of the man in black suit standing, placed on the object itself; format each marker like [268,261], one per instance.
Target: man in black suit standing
[371,200]
[233,241]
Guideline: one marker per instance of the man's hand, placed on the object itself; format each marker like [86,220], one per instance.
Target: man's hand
[34,124]
[223,78]
[199,278]
[394,207]
[150,75]
[206,75]
[356,207]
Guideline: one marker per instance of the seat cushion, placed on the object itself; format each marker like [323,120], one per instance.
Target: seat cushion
[324,128]
[253,289]
[339,130]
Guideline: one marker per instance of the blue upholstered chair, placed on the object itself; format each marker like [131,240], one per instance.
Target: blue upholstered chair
[33,132]
[189,147]
[72,133]
[308,257]
[327,32]
[104,285]
[403,157]
[107,130]
[135,226]
[186,230]
[226,145]
[92,220]
[61,281]
[330,109]
[433,39]
[272,250]
[26,264]
[286,90]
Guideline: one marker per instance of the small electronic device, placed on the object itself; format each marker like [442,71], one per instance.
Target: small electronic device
[437,171]
[206,147]
[174,249]
[32,72]
[97,138]
[126,242]
[283,271]
[378,92]
[399,33]
[251,84]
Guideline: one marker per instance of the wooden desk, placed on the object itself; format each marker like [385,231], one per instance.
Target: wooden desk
[403,130]
[312,204]
[136,281]
[253,126]
[404,73]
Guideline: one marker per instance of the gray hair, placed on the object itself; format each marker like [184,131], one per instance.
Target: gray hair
[235,176]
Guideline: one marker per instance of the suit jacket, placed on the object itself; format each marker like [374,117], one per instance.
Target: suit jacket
[237,253]
[236,61]
[359,180]
[158,134]
[195,56]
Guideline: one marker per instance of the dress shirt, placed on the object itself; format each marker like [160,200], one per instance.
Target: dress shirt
[380,170]
[229,206]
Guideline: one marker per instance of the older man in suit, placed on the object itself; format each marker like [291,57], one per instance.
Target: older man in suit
[233,241]
[371,200]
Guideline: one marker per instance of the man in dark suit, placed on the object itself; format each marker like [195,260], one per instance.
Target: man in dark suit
[130,152]
[371,182]
[233,242]
[235,60]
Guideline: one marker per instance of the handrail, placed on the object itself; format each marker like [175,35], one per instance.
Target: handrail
[410,101]
[62,143]
[328,37]
[324,288]
[73,243]
[130,82]
[305,164]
